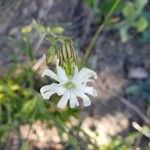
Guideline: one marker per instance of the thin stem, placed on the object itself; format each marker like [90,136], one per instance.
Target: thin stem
[40,41]
[144,130]
[136,109]
[0,114]
[94,39]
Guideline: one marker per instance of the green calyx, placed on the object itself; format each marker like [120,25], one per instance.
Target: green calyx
[66,56]
[63,47]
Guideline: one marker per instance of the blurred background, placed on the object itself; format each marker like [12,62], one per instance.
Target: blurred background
[114,37]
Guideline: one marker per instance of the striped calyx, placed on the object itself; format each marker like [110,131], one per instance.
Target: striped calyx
[66,56]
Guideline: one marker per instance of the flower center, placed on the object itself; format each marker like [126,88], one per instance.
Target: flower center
[69,85]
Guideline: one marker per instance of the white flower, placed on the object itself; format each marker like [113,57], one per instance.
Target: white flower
[70,87]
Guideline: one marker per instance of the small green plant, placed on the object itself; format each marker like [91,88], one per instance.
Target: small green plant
[133,18]
[126,143]
[21,102]
[127,16]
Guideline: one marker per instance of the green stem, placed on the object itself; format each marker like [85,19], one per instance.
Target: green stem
[94,39]
[0,114]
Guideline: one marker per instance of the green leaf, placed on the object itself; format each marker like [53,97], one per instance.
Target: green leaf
[25,145]
[133,9]
[141,24]
[129,11]
[108,5]
[57,30]
[26,29]
[4,132]
[124,34]
[51,55]
[40,28]
[90,2]
[141,3]
[41,107]
[29,106]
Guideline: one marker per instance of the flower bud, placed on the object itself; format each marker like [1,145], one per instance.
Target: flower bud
[66,56]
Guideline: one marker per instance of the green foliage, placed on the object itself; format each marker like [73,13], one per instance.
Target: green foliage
[145,38]
[133,9]
[24,45]
[132,12]
[123,143]
[107,6]
[61,47]
[25,145]
[101,8]
[90,2]
[47,30]
[141,24]
[21,103]
[133,18]
[141,88]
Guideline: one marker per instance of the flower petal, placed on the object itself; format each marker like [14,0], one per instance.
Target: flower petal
[60,90]
[48,90]
[88,80]
[83,75]
[62,74]
[86,100]
[50,73]
[63,101]
[80,93]
[90,91]
[73,99]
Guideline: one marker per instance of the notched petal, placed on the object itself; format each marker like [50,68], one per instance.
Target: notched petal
[84,97]
[84,75]
[50,73]
[73,100]
[86,100]
[63,101]
[48,90]
[90,91]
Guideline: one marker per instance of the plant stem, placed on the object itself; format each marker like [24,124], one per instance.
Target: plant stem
[96,35]
[136,109]
[0,114]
